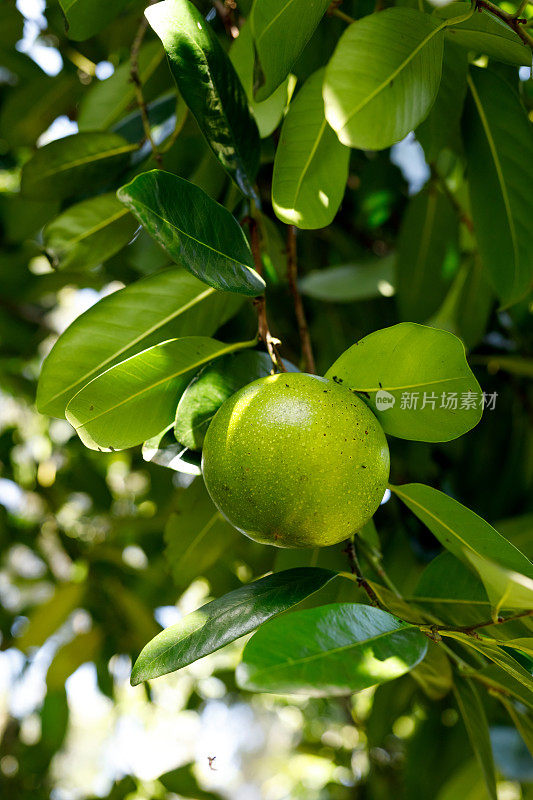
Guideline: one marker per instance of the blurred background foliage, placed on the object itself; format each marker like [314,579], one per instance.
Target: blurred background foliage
[98,551]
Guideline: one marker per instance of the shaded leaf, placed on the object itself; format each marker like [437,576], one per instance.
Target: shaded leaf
[505,588]
[428,254]
[194,230]
[166,305]
[163,449]
[311,165]
[459,529]
[434,673]
[84,18]
[522,719]
[68,166]
[72,655]
[49,616]
[226,619]
[136,398]
[88,233]
[108,100]
[210,86]
[484,33]
[373,108]
[426,373]
[281,29]
[500,172]
[476,724]
[350,282]
[331,650]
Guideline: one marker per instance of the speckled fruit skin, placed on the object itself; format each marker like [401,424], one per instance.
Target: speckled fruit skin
[295,460]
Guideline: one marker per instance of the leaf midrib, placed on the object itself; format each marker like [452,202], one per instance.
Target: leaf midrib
[87,160]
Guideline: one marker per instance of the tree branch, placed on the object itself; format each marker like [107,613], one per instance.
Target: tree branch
[136,80]
[443,186]
[355,569]
[471,629]
[292,274]
[263,330]
[514,22]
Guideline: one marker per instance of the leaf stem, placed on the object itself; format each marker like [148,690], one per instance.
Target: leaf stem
[445,189]
[292,274]
[136,80]
[471,629]
[355,569]
[334,11]
[375,563]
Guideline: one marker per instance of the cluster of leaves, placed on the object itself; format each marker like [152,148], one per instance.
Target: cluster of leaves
[295,114]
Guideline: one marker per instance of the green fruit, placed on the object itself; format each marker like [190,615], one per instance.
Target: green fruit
[295,460]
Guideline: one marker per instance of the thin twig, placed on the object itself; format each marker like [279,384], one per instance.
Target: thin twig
[263,330]
[355,569]
[471,629]
[376,565]
[292,274]
[136,80]
[515,23]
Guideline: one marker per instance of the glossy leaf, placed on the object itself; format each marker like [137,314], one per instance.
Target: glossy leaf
[475,720]
[495,676]
[84,18]
[311,165]
[428,254]
[485,33]
[413,361]
[441,128]
[505,588]
[500,169]
[88,233]
[194,230]
[108,100]
[281,29]
[513,669]
[373,108]
[226,619]
[459,529]
[135,399]
[268,113]
[169,304]
[65,167]
[215,384]
[210,86]
[331,650]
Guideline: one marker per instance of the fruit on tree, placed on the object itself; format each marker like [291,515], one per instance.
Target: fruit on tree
[295,460]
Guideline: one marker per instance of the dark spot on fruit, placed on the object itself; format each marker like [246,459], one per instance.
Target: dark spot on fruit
[366,432]
[91,408]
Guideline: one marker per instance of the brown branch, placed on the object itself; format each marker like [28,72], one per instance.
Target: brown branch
[136,80]
[292,274]
[355,569]
[471,629]
[514,22]
[443,186]
[263,329]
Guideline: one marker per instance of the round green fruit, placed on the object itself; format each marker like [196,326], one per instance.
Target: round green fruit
[295,460]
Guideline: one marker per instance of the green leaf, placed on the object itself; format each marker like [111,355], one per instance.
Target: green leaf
[163,449]
[84,18]
[331,650]
[202,399]
[373,108]
[459,529]
[194,230]
[496,677]
[210,86]
[441,128]
[281,29]
[505,588]
[484,33]
[350,282]
[464,783]
[522,720]
[107,101]
[413,363]
[225,620]
[75,164]
[477,727]
[182,781]
[500,170]
[136,398]
[50,615]
[500,657]
[267,114]
[428,254]
[84,647]
[88,233]
[169,304]
[311,165]
[434,673]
